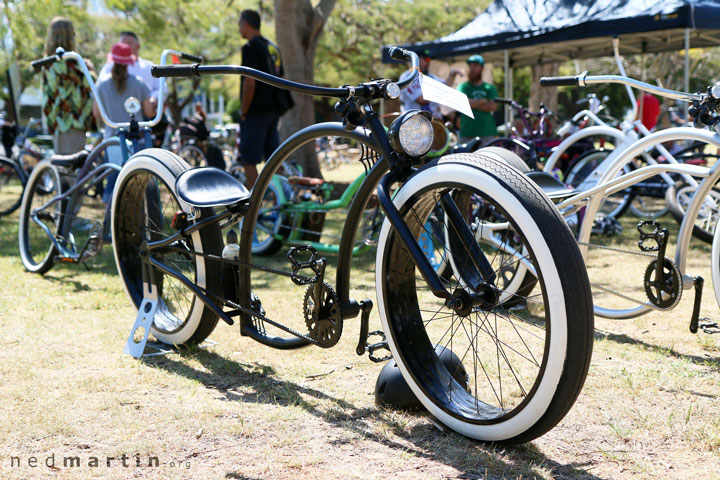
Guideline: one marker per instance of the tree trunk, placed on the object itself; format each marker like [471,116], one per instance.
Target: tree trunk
[174,103]
[298,26]
[544,95]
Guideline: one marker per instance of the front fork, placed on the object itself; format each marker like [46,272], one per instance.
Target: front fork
[477,272]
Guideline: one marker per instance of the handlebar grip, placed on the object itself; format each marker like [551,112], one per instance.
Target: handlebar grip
[503,101]
[191,57]
[573,81]
[159,71]
[38,64]
[396,53]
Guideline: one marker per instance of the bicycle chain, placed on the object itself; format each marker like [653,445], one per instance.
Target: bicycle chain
[262,268]
[616,249]
[254,313]
[275,324]
[626,297]
[613,292]
[259,315]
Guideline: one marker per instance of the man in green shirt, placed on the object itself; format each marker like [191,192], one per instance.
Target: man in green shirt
[481,95]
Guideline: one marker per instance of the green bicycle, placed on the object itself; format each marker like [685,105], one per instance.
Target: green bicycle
[295,208]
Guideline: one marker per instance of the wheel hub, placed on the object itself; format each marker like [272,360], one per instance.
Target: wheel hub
[463,302]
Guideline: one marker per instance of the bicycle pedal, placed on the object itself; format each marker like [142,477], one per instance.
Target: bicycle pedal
[709,327]
[374,347]
[313,262]
[651,230]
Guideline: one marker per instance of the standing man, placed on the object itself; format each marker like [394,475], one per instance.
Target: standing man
[481,95]
[411,97]
[260,108]
[139,68]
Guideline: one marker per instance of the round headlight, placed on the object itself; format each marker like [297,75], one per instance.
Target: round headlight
[715,91]
[412,133]
[132,105]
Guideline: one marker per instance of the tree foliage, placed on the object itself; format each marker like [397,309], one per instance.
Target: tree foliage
[349,51]
[28,21]
[206,27]
[665,69]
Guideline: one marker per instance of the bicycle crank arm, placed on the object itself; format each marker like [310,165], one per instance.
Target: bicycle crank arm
[698,283]
[365,307]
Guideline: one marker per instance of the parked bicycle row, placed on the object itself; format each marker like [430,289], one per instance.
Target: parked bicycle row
[474,250]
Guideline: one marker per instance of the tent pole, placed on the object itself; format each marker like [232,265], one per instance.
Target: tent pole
[508,88]
[687,68]
[621,67]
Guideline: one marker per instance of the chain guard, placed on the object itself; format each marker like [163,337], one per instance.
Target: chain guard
[667,295]
[327,329]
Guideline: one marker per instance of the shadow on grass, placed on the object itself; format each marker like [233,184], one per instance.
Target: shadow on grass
[260,384]
[671,352]
[67,278]
[9,237]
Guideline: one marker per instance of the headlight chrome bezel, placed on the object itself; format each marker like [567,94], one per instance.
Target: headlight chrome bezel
[715,91]
[394,132]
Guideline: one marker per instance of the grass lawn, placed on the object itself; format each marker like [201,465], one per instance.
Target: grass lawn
[239,410]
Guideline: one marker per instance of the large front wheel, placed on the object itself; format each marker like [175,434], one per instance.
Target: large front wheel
[525,367]
[144,204]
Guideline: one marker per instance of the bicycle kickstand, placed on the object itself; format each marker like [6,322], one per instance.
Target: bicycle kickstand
[144,320]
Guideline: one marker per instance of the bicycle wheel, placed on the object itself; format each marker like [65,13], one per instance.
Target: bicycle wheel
[192,155]
[615,205]
[678,198]
[620,277]
[37,250]
[516,278]
[28,159]
[144,205]
[523,386]
[12,182]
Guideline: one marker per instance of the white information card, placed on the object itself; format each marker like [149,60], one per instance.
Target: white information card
[438,92]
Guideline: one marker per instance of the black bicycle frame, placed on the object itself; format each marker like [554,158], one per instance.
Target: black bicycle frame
[392,167]
[386,171]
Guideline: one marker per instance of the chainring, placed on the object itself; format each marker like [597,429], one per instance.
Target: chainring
[666,295]
[327,329]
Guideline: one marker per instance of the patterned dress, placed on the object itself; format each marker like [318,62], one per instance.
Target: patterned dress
[67,101]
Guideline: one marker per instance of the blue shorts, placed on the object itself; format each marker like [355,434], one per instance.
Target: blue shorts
[258,137]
